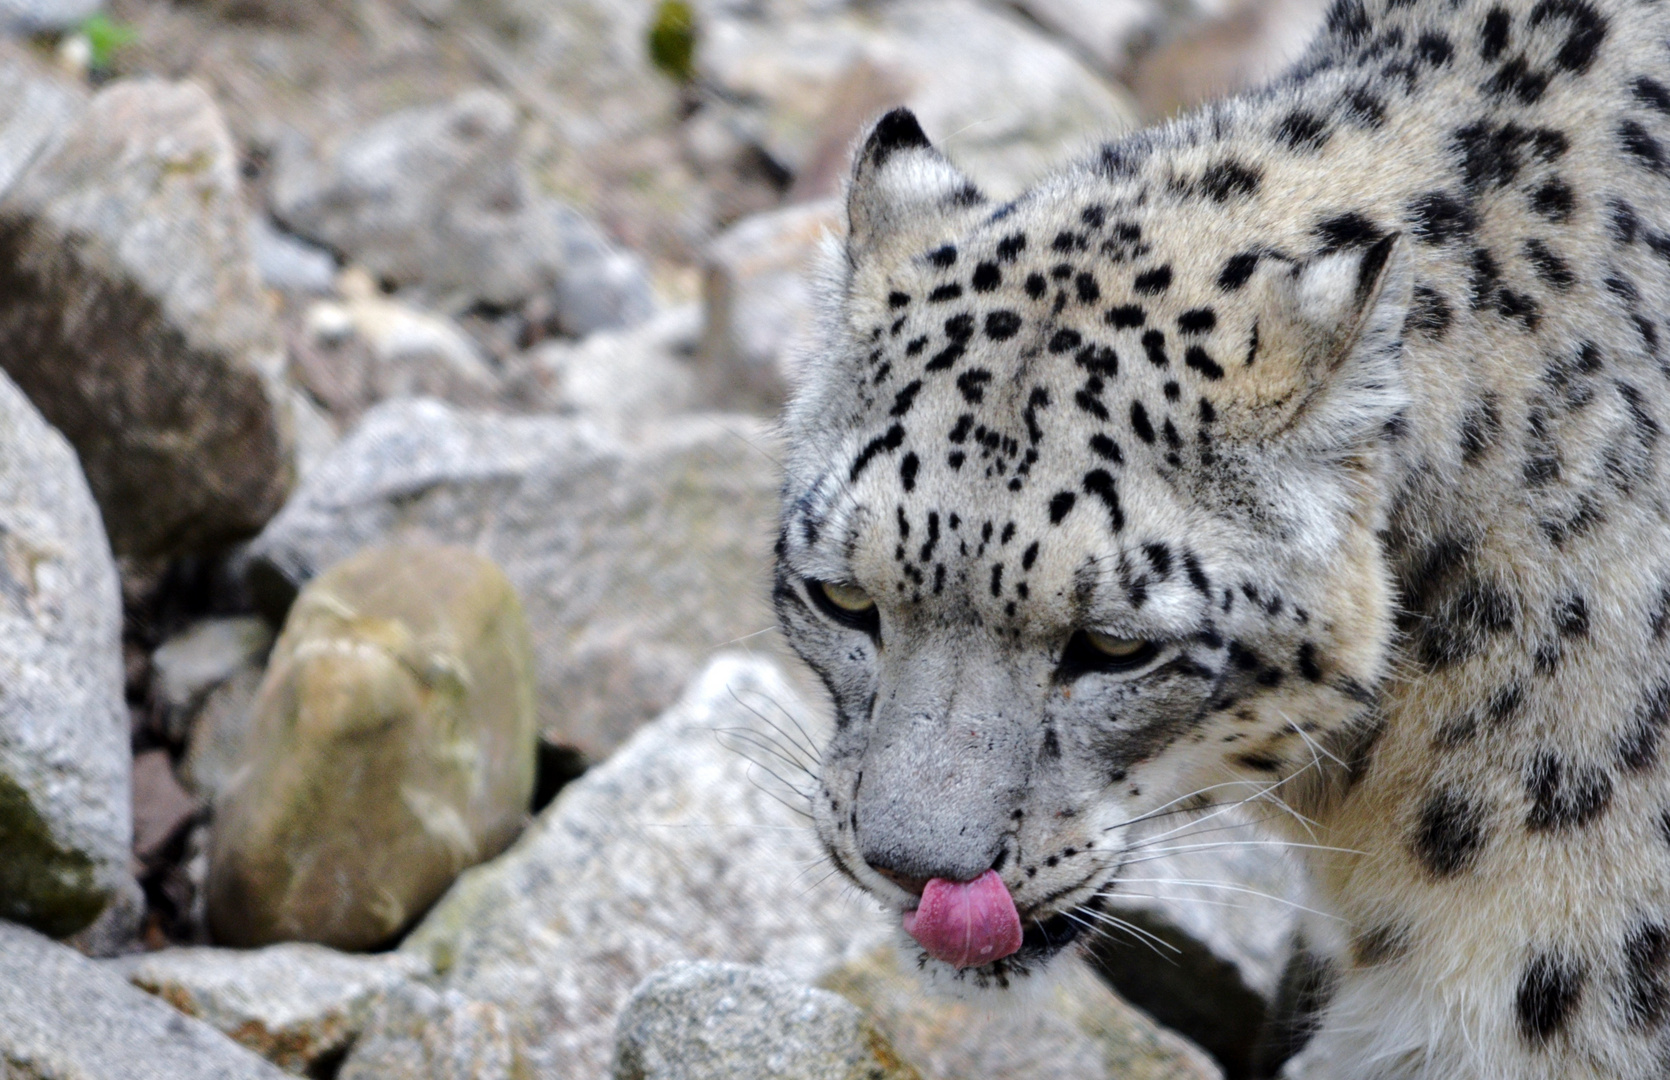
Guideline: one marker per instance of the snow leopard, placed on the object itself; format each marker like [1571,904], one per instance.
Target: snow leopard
[1303,452]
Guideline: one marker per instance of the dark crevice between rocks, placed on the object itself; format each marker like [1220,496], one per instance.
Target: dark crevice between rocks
[1192,991]
[554,768]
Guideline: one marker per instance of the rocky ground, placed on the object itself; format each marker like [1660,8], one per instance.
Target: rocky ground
[387,685]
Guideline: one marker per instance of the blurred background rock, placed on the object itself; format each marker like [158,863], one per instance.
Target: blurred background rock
[367,326]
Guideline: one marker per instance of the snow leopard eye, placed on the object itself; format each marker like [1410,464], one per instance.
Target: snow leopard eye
[848,605]
[1092,650]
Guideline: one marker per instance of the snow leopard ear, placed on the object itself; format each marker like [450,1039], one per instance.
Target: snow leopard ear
[1324,370]
[900,186]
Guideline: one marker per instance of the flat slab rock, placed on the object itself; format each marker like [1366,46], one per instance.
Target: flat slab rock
[676,848]
[66,817]
[135,322]
[702,1020]
[64,1017]
[292,1004]
[634,561]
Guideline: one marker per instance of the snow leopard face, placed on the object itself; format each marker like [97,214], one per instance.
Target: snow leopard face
[1079,522]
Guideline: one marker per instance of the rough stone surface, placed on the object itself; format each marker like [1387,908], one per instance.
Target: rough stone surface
[36,106]
[216,744]
[161,807]
[65,813]
[701,1020]
[1227,904]
[136,324]
[369,348]
[419,1034]
[45,16]
[1001,98]
[190,666]
[634,562]
[392,746]
[64,1017]
[1072,1028]
[288,264]
[676,848]
[758,279]
[1109,32]
[621,380]
[434,197]
[293,1004]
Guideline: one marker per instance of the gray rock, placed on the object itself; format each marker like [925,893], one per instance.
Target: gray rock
[65,815]
[1002,99]
[36,107]
[1111,33]
[1228,904]
[419,1034]
[218,729]
[288,264]
[64,1017]
[634,562]
[433,197]
[392,746]
[161,807]
[137,326]
[45,16]
[758,281]
[189,666]
[292,1004]
[702,1020]
[369,348]
[1072,1028]
[622,380]
[676,848]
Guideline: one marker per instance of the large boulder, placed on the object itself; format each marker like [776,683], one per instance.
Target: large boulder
[294,1004]
[702,1020]
[65,813]
[676,848]
[45,16]
[1071,1028]
[635,561]
[433,197]
[392,746]
[36,107]
[64,1017]
[135,322]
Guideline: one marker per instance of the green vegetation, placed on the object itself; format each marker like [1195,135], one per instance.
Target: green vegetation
[106,36]
[672,39]
[42,884]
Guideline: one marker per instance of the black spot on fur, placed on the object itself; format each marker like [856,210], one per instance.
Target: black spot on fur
[1449,833]
[1197,358]
[1550,267]
[1301,130]
[1154,346]
[1364,107]
[907,470]
[1652,93]
[972,384]
[1197,321]
[1550,990]
[905,398]
[1153,281]
[1125,317]
[891,440]
[944,256]
[1226,179]
[1480,429]
[1564,797]
[945,292]
[1571,617]
[1439,217]
[1434,49]
[1516,77]
[1646,986]
[1638,747]
[1099,482]
[1106,448]
[1347,230]
[1236,270]
[1088,291]
[898,299]
[1036,286]
[1308,667]
[1583,39]
[1061,503]
[1554,200]
[1140,424]
[1493,35]
[1348,21]
[986,277]
[1639,144]
[1429,315]
[1002,325]
[1011,246]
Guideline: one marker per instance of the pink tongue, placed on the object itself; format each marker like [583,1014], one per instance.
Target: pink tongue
[966,923]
